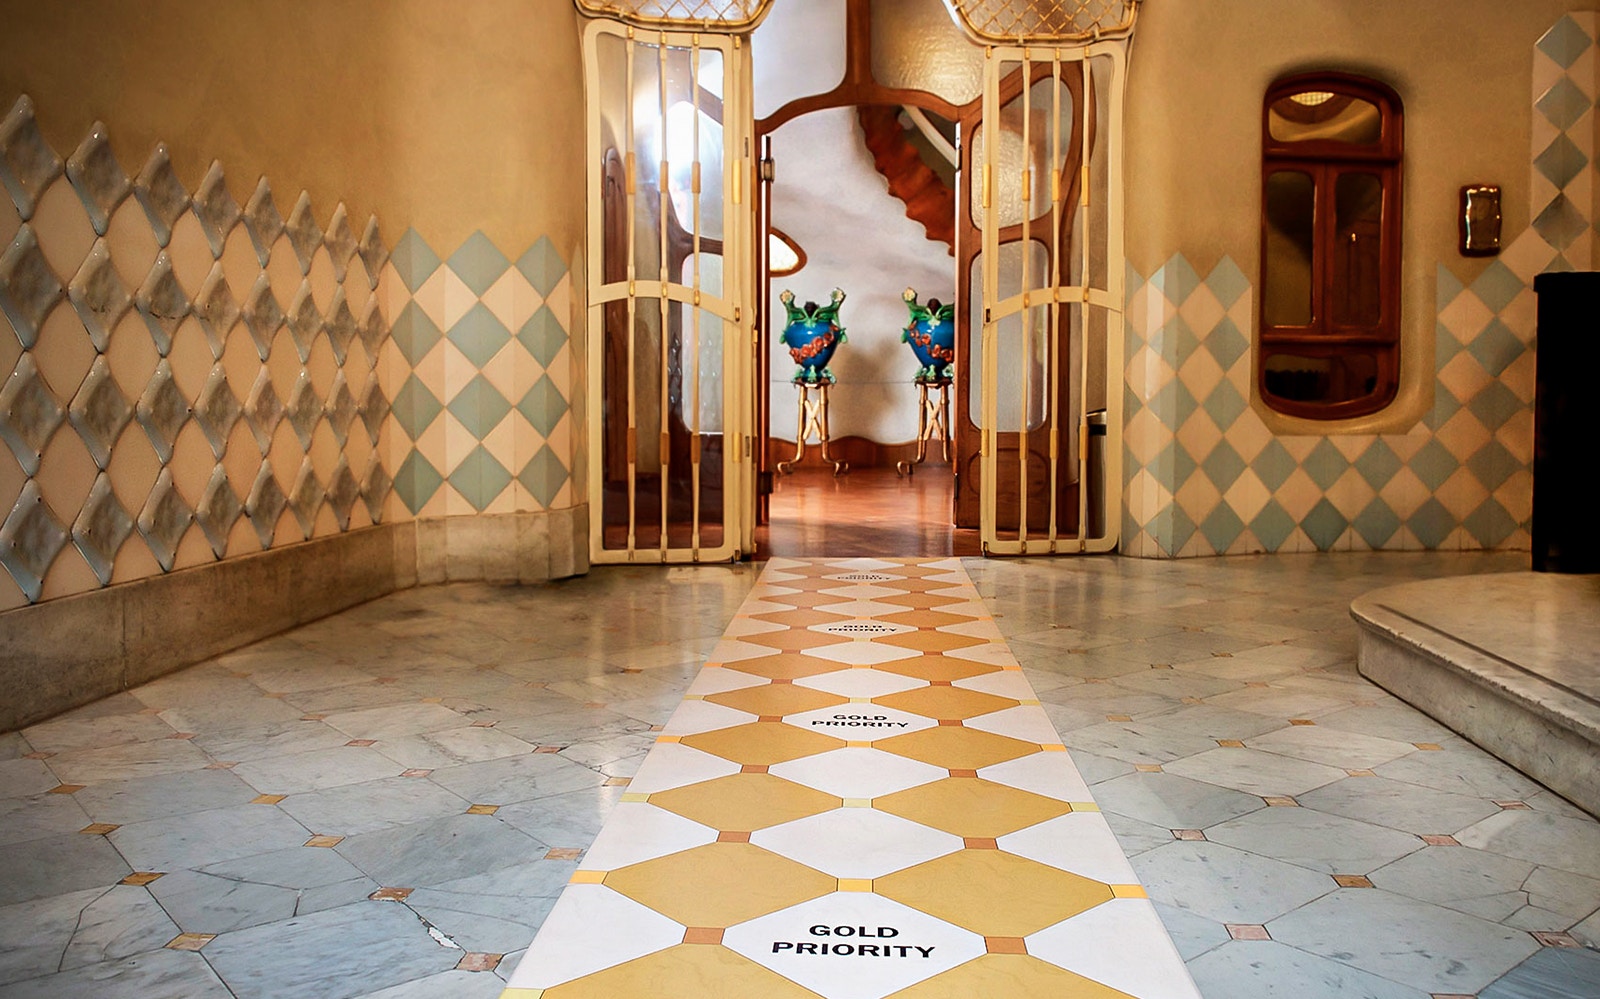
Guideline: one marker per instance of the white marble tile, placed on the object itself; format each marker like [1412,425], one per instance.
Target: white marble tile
[1080,842]
[1025,722]
[856,842]
[637,832]
[673,764]
[693,717]
[861,653]
[590,929]
[1120,943]
[861,682]
[1050,774]
[858,772]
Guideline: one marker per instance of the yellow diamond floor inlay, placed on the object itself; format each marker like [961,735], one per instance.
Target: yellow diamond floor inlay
[860,798]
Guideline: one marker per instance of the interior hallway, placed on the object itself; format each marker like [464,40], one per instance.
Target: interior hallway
[865,511]
[386,803]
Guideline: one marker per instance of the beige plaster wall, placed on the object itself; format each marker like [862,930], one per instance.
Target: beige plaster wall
[445,116]
[1200,67]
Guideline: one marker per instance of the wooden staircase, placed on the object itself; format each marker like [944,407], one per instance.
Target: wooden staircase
[928,200]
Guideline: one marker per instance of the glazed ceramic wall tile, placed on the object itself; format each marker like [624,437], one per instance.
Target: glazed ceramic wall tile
[162,403]
[1206,476]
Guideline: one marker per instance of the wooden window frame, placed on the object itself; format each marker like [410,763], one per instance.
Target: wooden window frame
[1325,160]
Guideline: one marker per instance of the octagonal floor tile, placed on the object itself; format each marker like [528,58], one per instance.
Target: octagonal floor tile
[856,653]
[971,807]
[714,680]
[931,641]
[1026,722]
[924,618]
[858,773]
[693,887]
[1008,975]
[949,703]
[744,802]
[1079,842]
[861,843]
[1050,774]
[762,744]
[801,617]
[684,970]
[777,699]
[958,748]
[794,640]
[1003,683]
[946,668]
[784,666]
[672,764]
[694,717]
[637,832]
[992,892]
[1122,944]
[993,654]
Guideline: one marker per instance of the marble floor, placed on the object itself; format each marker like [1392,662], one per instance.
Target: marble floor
[387,803]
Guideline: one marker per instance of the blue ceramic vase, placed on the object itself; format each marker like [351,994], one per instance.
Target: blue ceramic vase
[812,335]
[932,336]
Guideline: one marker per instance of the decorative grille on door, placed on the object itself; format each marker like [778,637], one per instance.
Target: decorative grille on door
[724,16]
[1043,22]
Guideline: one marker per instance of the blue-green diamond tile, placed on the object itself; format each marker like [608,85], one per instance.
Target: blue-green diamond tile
[1376,524]
[479,263]
[1563,104]
[1273,466]
[1495,405]
[543,335]
[1448,287]
[1560,265]
[1160,342]
[480,478]
[1565,42]
[1222,528]
[1560,224]
[1131,339]
[542,266]
[413,259]
[1184,342]
[414,333]
[1227,282]
[1132,278]
[1130,529]
[1445,405]
[1223,466]
[1561,161]
[1130,465]
[415,408]
[1177,280]
[1445,346]
[1497,286]
[1272,526]
[544,405]
[1378,464]
[1174,403]
[1433,464]
[1324,525]
[1431,524]
[416,481]
[480,407]
[1492,464]
[1180,530]
[1496,348]
[1325,464]
[479,335]
[1490,524]
[1226,343]
[1225,405]
[1173,465]
[543,476]
[1130,402]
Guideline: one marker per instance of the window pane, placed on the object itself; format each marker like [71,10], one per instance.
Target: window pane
[1015,363]
[1291,213]
[1320,115]
[1324,380]
[1354,299]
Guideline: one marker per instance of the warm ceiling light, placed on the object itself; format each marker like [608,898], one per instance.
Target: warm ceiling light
[1311,98]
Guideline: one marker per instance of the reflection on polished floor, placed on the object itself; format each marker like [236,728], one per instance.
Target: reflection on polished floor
[866,511]
[385,804]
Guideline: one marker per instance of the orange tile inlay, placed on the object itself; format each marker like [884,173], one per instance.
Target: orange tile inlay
[267,799]
[99,829]
[703,935]
[1247,931]
[391,894]
[473,961]
[141,878]
[190,941]
[324,842]
[1005,945]
[1352,881]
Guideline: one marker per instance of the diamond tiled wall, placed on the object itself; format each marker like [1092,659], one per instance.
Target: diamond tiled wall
[1206,475]
[485,407]
[186,379]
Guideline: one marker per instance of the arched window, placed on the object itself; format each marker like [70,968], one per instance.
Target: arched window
[1329,342]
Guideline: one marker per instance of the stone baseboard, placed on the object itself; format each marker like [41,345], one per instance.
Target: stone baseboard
[504,548]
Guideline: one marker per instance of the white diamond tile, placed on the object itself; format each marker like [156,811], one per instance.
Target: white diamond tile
[1006,683]
[864,722]
[858,772]
[27,163]
[993,654]
[1079,842]
[720,681]
[101,528]
[161,194]
[864,682]
[97,177]
[29,289]
[1050,774]
[1025,722]
[947,945]
[99,296]
[636,832]
[164,520]
[30,539]
[672,764]
[592,928]
[861,653]
[856,842]
[693,717]
[1120,943]
[29,414]
[100,411]
[731,650]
